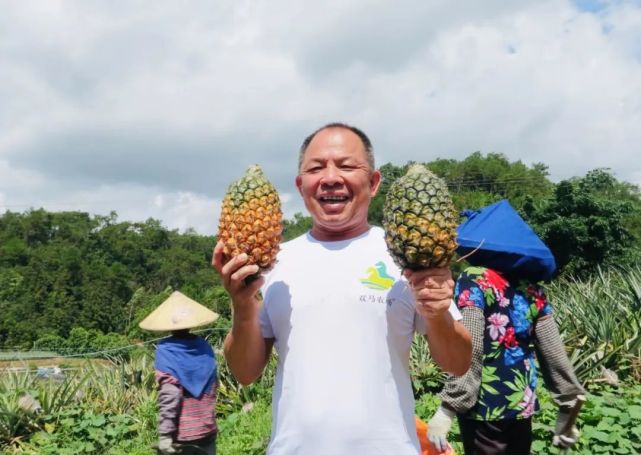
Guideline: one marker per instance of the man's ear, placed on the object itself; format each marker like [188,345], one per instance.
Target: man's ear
[375,182]
[299,184]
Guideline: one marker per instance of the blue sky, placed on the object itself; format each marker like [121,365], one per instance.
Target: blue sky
[151,108]
[591,5]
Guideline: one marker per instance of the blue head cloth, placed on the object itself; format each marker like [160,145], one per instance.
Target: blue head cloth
[190,360]
[505,243]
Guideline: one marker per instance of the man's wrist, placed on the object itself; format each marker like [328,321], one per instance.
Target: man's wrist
[436,317]
[245,313]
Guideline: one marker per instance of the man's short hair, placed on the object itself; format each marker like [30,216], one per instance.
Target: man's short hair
[367,144]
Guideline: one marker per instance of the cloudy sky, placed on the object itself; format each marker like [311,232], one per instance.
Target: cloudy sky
[151,108]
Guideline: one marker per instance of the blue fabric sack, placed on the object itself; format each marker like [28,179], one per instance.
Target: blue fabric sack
[190,360]
[505,243]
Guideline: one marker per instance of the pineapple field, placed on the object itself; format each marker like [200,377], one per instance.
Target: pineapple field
[107,408]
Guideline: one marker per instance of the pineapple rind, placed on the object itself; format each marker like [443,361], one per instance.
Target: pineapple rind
[420,221]
[251,219]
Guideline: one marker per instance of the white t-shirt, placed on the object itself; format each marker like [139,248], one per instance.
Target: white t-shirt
[343,319]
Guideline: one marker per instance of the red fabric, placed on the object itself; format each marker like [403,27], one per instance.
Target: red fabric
[196,416]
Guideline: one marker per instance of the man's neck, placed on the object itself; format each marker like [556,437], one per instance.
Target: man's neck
[324,235]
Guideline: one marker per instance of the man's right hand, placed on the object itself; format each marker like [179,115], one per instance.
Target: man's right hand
[234,273]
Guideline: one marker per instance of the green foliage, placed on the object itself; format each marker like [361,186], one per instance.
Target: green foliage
[427,377]
[609,422]
[232,396]
[389,173]
[15,422]
[60,271]
[599,318]
[97,411]
[78,430]
[298,226]
[475,182]
[245,432]
[82,341]
[50,342]
[584,222]
[480,180]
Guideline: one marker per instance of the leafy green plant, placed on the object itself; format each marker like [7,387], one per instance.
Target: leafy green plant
[426,375]
[600,321]
[114,388]
[232,396]
[78,430]
[15,422]
[245,433]
[610,422]
[55,395]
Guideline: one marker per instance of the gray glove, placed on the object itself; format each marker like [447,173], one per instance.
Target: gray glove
[165,445]
[566,439]
[438,427]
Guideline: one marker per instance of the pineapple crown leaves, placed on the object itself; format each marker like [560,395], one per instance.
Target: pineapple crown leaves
[415,170]
[252,183]
[431,184]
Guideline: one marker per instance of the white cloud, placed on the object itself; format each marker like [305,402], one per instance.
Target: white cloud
[153,108]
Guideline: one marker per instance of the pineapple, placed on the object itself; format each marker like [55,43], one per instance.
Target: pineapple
[251,219]
[419,220]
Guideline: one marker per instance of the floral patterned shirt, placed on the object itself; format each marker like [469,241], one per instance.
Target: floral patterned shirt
[508,380]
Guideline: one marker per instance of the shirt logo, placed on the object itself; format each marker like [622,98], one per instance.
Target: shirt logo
[377,277]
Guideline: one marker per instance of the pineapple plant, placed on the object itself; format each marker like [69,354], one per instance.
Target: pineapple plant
[419,220]
[251,219]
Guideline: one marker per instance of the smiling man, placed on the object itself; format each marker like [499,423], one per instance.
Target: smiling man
[340,315]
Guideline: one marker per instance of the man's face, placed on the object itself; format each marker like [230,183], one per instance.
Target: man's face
[337,184]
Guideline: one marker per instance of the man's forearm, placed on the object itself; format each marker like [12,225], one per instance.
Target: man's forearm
[246,351]
[450,344]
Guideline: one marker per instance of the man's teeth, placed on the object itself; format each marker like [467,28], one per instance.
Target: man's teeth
[333,198]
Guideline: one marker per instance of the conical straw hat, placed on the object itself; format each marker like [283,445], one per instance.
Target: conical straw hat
[176,313]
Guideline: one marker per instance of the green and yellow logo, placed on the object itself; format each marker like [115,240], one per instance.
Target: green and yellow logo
[377,277]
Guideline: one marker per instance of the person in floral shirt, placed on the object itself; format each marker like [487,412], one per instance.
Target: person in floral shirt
[511,323]
[508,376]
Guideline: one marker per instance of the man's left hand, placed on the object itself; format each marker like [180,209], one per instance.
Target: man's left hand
[432,289]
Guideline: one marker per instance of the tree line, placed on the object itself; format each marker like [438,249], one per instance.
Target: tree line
[61,271]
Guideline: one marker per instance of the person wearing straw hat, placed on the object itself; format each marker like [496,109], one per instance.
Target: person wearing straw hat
[186,374]
[509,317]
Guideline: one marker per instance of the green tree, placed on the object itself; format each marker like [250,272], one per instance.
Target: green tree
[299,225]
[584,222]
